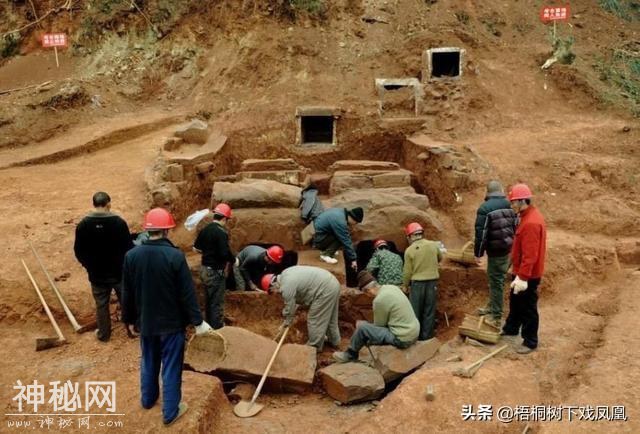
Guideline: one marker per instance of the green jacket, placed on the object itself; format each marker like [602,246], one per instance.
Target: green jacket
[392,309]
[386,266]
[421,261]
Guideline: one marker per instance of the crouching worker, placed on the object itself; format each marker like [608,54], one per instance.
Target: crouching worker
[313,287]
[394,322]
[159,298]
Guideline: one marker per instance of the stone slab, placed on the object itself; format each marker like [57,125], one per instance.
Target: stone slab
[352,382]
[396,363]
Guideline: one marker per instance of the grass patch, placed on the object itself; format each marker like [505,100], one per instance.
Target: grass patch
[9,45]
[626,9]
[621,71]
[312,7]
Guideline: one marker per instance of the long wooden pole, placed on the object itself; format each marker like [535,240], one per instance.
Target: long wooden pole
[44,303]
[266,372]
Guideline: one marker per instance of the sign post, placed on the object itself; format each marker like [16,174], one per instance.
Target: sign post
[555,13]
[55,40]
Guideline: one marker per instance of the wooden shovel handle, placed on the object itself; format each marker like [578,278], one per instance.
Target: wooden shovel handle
[72,319]
[266,372]
[44,303]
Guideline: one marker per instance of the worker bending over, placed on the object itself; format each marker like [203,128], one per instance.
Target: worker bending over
[252,263]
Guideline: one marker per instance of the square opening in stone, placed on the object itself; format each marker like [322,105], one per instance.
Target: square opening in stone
[445,64]
[317,129]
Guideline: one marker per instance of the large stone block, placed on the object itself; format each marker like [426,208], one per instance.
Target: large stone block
[389,222]
[248,355]
[370,199]
[395,178]
[395,363]
[254,165]
[343,181]
[195,131]
[291,177]
[351,165]
[256,194]
[267,225]
[352,382]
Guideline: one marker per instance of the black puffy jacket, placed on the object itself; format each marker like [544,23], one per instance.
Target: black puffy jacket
[495,226]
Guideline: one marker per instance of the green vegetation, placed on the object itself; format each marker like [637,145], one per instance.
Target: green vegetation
[9,45]
[626,9]
[313,7]
[462,17]
[621,70]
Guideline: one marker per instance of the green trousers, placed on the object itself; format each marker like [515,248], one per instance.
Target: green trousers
[496,271]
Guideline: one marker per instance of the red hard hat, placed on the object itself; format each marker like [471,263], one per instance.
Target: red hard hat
[412,228]
[265,282]
[275,253]
[520,191]
[223,209]
[159,218]
[379,243]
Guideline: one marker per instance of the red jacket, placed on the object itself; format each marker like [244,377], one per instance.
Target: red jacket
[529,245]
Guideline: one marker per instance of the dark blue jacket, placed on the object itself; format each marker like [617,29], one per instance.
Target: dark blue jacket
[157,289]
[495,226]
[333,221]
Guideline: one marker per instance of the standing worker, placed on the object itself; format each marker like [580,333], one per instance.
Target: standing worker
[314,287]
[494,231]
[385,265]
[252,263]
[102,240]
[158,297]
[213,243]
[527,256]
[332,233]
[421,275]
[394,322]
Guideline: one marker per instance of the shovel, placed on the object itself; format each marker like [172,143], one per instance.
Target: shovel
[250,408]
[72,319]
[45,343]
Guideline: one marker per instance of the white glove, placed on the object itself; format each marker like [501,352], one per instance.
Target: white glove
[203,328]
[519,285]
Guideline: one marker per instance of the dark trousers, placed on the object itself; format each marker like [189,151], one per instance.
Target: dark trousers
[102,296]
[214,283]
[523,312]
[370,334]
[166,351]
[497,267]
[423,301]
[328,244]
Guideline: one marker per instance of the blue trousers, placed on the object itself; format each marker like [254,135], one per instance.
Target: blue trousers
[166,351]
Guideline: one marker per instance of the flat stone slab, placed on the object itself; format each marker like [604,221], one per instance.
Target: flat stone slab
[363,165]
[256,193]
[352,382]
[195,131]
[291,177]
[358,179]
[247,357]
[396,363]
[195,153]
[269,225]
[255,164]
[371,199]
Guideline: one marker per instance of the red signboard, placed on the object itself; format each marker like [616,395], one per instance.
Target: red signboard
[54,40]
[554,13]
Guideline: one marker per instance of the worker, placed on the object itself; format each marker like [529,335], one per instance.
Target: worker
[421,275]
[527,256]
[252,263]
[394,322]
[332,233]
[314,287]
[213,243]
[385,265]
[494,231]
[102,240]
[158,298]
